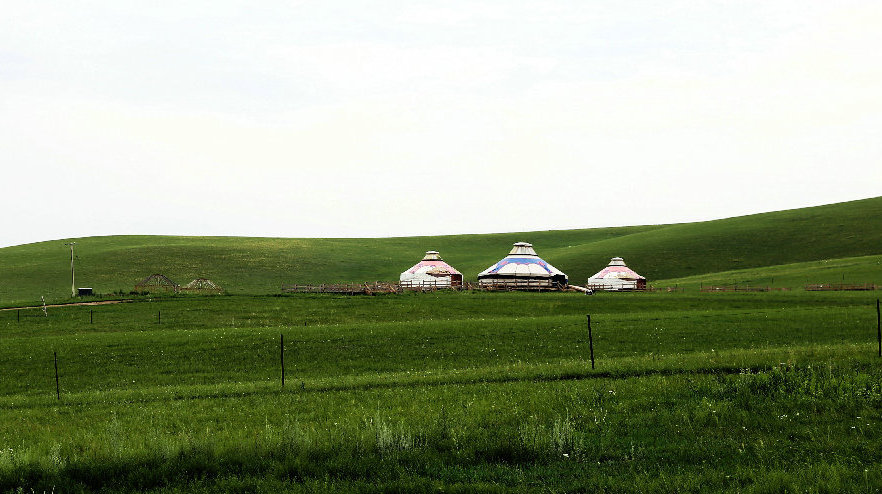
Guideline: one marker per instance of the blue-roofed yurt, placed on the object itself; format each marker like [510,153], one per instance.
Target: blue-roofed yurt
[522,269]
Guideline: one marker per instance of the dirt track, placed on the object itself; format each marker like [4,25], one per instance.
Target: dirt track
[102,302]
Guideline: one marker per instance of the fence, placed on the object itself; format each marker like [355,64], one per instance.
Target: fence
[839,287]
[734,288]
[625,287]
[667,289]
[533,285]
[429,285]
[347,288]
[388,287]
[528,285]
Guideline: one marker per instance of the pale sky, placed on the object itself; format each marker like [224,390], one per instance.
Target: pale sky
[329,119]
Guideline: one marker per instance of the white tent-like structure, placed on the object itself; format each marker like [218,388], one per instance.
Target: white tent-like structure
[432,271]
[615,277]
[523,269]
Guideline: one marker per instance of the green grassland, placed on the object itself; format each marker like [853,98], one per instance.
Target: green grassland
[848,270]
[261,265]
[451,391]
[465,391]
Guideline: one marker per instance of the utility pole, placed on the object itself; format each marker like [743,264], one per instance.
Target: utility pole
[73,290]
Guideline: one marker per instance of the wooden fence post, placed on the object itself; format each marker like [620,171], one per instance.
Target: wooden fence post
[879,327]
[590,342]
[57,387]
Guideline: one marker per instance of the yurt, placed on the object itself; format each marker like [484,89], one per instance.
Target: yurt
[616,276]
[522,268]
[432,271]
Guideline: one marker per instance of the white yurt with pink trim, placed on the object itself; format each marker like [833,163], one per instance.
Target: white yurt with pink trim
[432,271]
[616,276]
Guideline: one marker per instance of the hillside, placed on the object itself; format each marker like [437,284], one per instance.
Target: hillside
[260,265]
[850,270]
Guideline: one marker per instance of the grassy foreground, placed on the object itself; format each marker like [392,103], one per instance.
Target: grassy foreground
[465,392]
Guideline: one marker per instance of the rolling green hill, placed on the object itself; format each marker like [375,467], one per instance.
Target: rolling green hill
[260,265]
[849,270]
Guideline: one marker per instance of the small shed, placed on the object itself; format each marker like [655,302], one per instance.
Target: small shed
[431,271]
[616,276]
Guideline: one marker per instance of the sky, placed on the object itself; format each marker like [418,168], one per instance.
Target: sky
[382,118]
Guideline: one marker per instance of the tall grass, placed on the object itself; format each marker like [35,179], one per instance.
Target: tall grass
[570,435]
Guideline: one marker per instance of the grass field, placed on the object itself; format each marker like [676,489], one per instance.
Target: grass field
[470,391]
[851,270]
[451,391]
[261,265]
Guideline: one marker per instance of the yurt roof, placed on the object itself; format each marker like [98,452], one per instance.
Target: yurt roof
[522,261]
[616,269]
[433,262]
